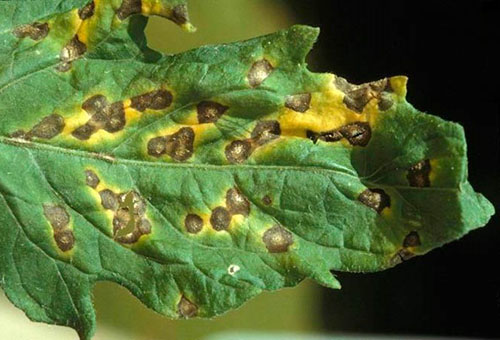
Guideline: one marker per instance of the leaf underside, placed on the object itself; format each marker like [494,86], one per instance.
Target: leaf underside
[199,180]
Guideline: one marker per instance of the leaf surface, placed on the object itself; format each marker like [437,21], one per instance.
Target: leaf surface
[199,180]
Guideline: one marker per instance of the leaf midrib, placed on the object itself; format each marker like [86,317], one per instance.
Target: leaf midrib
[116,160]
[205,167]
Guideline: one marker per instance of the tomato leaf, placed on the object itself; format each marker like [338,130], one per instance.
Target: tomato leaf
[199,180]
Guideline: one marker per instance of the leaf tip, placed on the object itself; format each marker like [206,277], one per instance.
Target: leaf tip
[306,35]
[488,209]
[302,38]
[398,85]
[327,279]
[188,27]
[331,282]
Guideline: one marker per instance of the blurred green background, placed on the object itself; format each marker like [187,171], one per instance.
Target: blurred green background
[220,21]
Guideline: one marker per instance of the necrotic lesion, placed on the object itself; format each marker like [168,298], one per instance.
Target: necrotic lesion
[356,133]
[418,174]
[59,219]
[34,31]
[87,11]
[129,7]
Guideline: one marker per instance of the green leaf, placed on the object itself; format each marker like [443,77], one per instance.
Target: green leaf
[199,180]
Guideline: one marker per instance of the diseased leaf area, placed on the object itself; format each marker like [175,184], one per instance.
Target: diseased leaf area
[199,180]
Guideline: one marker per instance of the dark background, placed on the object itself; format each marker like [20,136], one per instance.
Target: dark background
[447,49]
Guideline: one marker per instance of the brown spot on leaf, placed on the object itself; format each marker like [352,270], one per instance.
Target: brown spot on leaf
[331,136]
[237,203]
[95,104]
[109,199]
[48,127]
[277,239]
[265,131]
[193,223]
[412,240]
[59,219]
[116,118]
[267,200]
[57,216]
[238,151]
[357,96]
[129,7]
[376,199]
[180,14]
[122,220]
[418,174]
[357,99]
[64,67]
[128,238]
[133,201]
[129,223]
[210,112]
[157,146]
[385,101]
[314,136]
[72,51]
[327,136]
[402,255]
[358,133]
[19,134]
[186,308]
[298,102]
[111,118]
[378,85]
[220,218]
[179,145]
[144,226]
[155,100]
[129,209]
[35,31]
[259,72]
[98,120]
[83,132]
[65,239]
[86,11]
[91,179]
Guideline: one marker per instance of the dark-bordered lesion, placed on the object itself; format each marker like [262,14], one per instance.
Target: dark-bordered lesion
[128,208]
[418,175]
[103,115]
[128,8]
[35,31]
[356,133]
[264,132]
[356,97]
[376,199]
[59,219]
[179,145]
[47,128]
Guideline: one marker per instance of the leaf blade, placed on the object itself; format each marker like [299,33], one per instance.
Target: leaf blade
[287,171]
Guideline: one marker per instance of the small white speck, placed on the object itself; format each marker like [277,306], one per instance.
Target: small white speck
[233,269]
[65,53]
